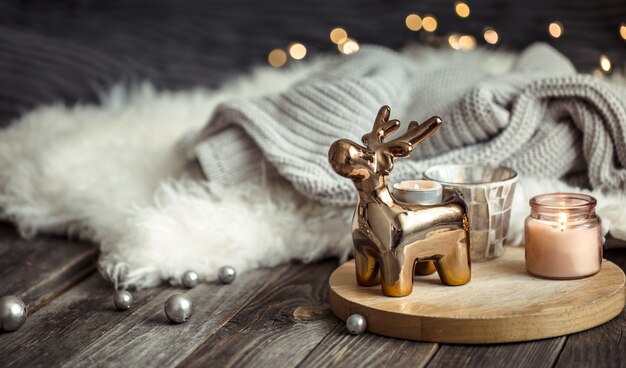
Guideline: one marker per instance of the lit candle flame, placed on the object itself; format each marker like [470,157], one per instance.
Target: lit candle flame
[562,220]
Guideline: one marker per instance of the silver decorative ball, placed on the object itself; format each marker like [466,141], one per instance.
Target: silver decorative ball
[12,313]
[190,279]
[178,308]
[356,324]
[122,300]
[226,274]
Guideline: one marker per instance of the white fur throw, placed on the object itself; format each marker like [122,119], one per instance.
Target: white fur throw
[111,173]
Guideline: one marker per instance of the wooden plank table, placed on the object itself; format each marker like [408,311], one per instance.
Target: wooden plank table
[269,317]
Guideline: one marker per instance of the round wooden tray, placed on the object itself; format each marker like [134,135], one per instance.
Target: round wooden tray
[502,303]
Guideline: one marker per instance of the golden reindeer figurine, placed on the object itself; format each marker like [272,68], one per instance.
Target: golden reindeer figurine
[394,240]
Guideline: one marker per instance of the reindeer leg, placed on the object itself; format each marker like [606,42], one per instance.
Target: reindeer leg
[396,274]
[367,268]
[454,269]
[425,268]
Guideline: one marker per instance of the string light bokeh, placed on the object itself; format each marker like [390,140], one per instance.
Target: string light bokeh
[338,35]
[462,9]
[413,22]
[490,35]
[297,51]
[605,63]
[555,29]
[429,23]
[277,58]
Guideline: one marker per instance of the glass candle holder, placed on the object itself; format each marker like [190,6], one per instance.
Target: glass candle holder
[563,236]
[488,192]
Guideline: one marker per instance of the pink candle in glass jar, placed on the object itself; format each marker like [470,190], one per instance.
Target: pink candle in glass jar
[563,236]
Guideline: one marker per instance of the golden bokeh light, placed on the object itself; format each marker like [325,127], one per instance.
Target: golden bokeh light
[338,35]
[605,63]
[429,23]
[622,30]
[297,51]
[555,29]
[277,58]
[453,41]
[467,42]
[491,36]
[462,9]
[348,47]
[597,73]
[413,22]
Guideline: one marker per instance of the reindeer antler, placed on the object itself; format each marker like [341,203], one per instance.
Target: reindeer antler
[403,145]
[415,134]
[382,128]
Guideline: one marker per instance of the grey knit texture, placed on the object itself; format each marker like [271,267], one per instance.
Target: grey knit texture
[541,118]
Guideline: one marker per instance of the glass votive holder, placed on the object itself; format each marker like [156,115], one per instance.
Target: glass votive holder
[418,191]
[563,236]
[488,192]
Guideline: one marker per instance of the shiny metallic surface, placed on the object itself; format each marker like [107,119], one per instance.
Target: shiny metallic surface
[122,300]
[227,274]
[488,192]
[178,308]
[12,313]
[356,324]
[393,240]
[190,279]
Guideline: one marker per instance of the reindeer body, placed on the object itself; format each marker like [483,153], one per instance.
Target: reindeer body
[394,240]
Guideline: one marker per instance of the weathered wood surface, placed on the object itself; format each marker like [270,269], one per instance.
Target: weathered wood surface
[148,339]
[536,354]
[272,317]
[340,349]
[40,269]
[67,325]
[281,325]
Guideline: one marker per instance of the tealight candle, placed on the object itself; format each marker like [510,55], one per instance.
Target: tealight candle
[563,236]
[418,191]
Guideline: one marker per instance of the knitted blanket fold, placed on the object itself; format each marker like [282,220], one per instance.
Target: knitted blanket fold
[540,117]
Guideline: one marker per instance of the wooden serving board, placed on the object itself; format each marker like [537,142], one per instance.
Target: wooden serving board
[502,303]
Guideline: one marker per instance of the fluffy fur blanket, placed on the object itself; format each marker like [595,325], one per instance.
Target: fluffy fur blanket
[112,173]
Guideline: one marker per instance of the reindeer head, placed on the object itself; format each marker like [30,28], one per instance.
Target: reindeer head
[356,162]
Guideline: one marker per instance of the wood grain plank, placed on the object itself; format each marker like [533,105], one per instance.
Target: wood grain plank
[603,345]
[536,354]
[66,325]
[340,349]
[147,339]
[280,327]
[42,268]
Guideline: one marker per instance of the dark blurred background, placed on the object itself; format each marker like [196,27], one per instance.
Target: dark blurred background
[72,50]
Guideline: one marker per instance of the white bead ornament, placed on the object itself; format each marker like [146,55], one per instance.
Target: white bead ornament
[356,324]
[178,308]
[227,274]
[12,313]
[190,279]
[122,300]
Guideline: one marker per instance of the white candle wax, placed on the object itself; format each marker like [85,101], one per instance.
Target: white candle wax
[419,191]
[556,250]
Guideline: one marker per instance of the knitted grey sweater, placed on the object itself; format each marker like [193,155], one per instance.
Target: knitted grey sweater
[541,118]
